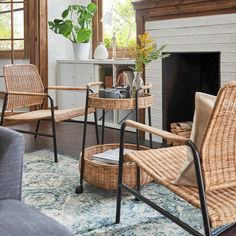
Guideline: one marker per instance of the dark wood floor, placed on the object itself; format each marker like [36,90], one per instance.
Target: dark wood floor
[69,138]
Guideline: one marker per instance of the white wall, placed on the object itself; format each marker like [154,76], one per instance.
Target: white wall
[198,34]
[58,46]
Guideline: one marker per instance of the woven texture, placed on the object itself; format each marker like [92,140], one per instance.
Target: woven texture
[26,79]
[60,115]
[218,150]
[218,161]
[104,175]
[164,164]
[22,78]
[126,103]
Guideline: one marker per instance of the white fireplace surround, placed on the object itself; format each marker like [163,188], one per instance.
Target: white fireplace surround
[215,33]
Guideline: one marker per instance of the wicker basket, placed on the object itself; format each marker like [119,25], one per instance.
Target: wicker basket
[124,103]
[105,175]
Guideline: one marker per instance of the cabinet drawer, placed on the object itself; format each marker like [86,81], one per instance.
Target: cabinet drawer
[84,75]
[66,77]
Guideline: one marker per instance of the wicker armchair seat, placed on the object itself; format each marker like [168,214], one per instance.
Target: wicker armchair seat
[60,115]
[24,89]
[164,164]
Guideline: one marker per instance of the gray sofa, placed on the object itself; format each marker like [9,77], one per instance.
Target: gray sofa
[17,218]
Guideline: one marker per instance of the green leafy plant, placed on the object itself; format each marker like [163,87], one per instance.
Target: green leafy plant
[76,23]
[147,51]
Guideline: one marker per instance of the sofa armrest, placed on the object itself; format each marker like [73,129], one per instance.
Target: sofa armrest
[11,164]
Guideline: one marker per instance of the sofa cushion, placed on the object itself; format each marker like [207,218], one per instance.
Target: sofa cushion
[17,218]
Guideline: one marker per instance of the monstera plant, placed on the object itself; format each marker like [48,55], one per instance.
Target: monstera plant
[76,25]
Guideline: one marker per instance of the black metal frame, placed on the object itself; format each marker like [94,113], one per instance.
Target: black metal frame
[79,189]
[137,194]
[53,135]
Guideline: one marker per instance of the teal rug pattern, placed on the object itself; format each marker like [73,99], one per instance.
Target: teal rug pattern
[50,188]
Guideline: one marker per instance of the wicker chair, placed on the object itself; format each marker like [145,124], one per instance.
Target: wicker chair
[24,88]
[215,166]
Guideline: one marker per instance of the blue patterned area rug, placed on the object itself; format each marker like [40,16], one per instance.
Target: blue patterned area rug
[50,188]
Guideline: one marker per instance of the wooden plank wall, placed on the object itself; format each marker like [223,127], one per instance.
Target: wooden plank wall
[215,33]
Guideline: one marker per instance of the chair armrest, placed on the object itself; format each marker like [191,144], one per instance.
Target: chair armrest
[27,94]
[94,84]
[67,88]
[11,164]
[161,133]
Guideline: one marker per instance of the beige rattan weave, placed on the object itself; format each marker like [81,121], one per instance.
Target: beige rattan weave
[164,165]
[23,83]
[60,115]
[104,175]
[113,104]
[22,78]
[218,160]
[218,150]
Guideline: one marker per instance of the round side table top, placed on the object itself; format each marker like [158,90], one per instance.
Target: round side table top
[119,104]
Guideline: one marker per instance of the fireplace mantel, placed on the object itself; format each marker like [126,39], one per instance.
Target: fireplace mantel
[152,10]
[187,26]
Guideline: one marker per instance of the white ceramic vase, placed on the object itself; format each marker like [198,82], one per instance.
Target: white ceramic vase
[81,50]
[101,52]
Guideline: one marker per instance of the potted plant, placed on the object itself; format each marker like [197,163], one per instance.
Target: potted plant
[146,51]
[76,25]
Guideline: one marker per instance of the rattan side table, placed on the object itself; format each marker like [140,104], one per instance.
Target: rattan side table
[93,101]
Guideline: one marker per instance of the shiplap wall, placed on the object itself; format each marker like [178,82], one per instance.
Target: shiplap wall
[197,34]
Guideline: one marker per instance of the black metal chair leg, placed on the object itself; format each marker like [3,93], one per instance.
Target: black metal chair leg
[37,129]
[103,124]
[120,174]
[54,140]
[38,123]
[201,189]
[150,124]
[138,181]
[4,106]
[96,126]
[79,189]
[137,142]
[53,128]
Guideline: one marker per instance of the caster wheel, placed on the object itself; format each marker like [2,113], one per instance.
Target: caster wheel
[136,199]
[79,190]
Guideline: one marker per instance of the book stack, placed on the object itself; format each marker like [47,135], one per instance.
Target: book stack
[110,157]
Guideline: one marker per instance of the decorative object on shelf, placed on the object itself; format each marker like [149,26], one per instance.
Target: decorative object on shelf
[146,52]
[108,81]
[122,80]
[81,50]
[109,93]
[108,19]
[137,84]
[122,84]
[76,25]
[113,93]
[101,52]
[128,92]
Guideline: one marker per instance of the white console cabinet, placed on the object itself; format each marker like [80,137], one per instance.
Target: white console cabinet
[79,73]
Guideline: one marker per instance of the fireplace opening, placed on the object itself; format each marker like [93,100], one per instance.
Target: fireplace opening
[184,74]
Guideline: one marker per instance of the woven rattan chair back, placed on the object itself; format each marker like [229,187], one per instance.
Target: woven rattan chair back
[218,149]
[22,78]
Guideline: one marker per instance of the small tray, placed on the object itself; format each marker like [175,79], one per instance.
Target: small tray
[119,104]
[105,175]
